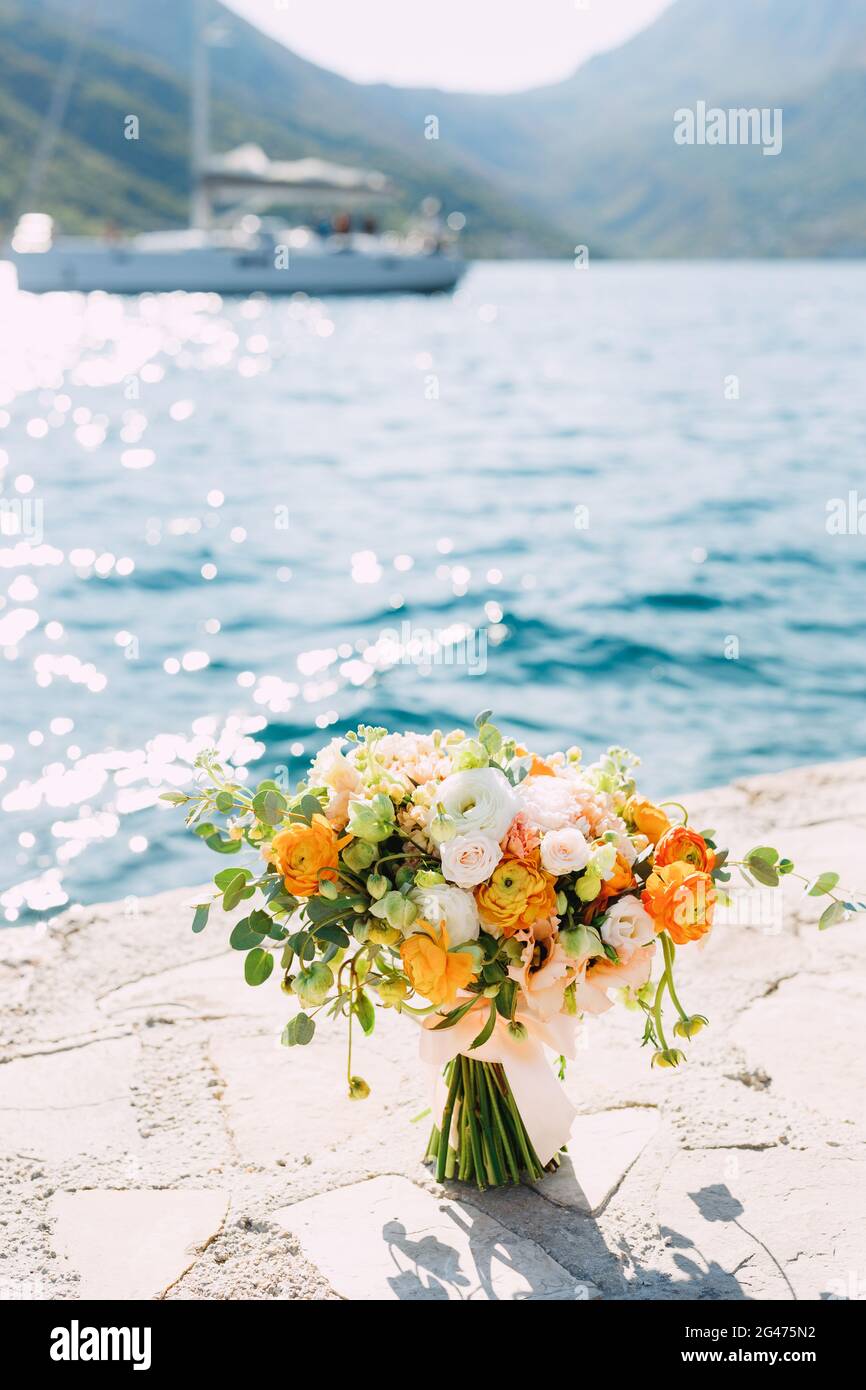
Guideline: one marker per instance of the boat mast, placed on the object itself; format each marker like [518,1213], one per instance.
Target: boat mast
[200,205]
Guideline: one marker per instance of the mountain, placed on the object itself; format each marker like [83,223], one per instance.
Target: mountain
[588,160]
[136,60]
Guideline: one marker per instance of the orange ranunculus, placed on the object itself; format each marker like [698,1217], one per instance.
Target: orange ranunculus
[621,880]
[517,893]
[435,972]
[682,844]
[304,854]
[648,818]
[680,900]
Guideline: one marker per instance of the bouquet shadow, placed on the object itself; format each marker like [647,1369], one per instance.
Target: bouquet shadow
[488,1260]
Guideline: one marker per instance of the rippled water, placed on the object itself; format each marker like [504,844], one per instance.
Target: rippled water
[264,520]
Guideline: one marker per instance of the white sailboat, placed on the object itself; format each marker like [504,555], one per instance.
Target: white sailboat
[253,254]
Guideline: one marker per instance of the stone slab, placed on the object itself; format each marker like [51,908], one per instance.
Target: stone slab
[601,1149]
[775,1225]
[389,1239]
[133,1244]
[808,1037]
[70,1103]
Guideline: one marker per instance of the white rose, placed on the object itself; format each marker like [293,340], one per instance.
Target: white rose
[564,851]
[480,801]
[444,905]
[626,927]
[469,859]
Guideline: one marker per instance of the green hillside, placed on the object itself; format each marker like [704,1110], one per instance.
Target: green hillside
[97,176]
[591,159]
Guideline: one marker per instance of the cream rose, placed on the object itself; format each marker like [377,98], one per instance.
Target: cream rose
[627,927]
[468,860]
[564,851]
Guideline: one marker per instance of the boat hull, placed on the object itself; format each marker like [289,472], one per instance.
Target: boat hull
[128,270]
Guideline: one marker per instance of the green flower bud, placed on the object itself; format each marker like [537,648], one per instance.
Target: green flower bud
[470,754]
[517,1031]
[428,878]
[372,821]
[442,828]
[588,886]
[579,942]
[314,982]
[382,934]
[393,991]
[690,1027]
[287,984]
[398,911]
[569,999]
[378,885]
[358,1088]
[513,949]
[669,1057]
[490,991]
[327,889]
[359,856]
[561,903]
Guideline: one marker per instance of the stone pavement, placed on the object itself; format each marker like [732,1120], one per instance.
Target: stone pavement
[158,1142]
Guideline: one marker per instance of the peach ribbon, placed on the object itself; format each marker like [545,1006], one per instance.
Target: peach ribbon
[545,1109]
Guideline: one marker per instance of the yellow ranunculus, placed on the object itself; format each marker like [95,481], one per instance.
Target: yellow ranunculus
[436,973]
[517,893]
[304,854]
[648,818]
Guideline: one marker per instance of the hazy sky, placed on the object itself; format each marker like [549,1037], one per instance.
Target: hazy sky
[467,45]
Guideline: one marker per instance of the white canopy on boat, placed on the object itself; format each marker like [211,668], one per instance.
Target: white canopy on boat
[247,170]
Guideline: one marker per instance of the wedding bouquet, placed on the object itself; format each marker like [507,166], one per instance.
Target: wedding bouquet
[489,895]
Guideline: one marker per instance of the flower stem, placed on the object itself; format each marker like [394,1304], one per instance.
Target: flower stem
[657,1008]
[490,1146]
[670,951]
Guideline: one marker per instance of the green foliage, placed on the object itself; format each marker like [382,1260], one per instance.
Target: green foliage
[258,966]
[199,921]
[298,1031]
[365,1012]
[244,937]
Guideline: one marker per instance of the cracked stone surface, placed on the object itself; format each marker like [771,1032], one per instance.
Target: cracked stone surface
[134,1244]
[388,1239]
[140,1076]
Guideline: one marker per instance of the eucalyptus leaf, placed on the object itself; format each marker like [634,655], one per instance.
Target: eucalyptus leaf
[764,853]
[221,846]
[824,883]
[836,912]
[199,921]
[258,966]
[764,872]
[332,933]
[244,937]
[269,806]
[224,877]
